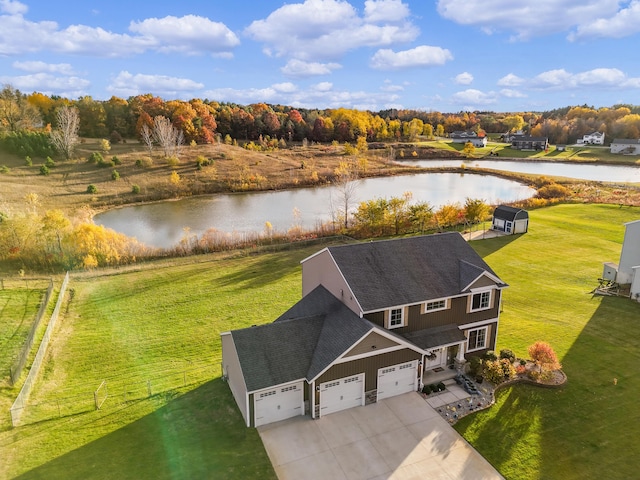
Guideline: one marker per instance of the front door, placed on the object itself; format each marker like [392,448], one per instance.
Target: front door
[437,359]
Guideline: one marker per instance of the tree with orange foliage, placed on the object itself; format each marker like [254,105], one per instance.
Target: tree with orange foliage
[544,357]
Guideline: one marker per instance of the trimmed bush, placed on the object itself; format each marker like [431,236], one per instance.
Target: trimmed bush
[426,389]
[441,387]
[490,356]
[508,354]
[92,189]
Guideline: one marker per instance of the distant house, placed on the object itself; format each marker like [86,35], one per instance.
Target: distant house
[376,319]
[527,142]
[626,146]
[627,272]
[510,220]
[595,138]
[468,136]
[509,136]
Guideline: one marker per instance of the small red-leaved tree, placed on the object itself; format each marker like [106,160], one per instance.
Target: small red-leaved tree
[544,357]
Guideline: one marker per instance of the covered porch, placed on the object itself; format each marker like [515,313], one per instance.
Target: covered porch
[444,347]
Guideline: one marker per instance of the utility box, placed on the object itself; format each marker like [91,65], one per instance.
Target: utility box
[610,271]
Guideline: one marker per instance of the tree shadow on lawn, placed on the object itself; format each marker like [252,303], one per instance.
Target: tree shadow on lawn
[487,246]
[200,434]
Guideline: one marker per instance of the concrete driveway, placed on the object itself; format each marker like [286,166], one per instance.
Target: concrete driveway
[398,438]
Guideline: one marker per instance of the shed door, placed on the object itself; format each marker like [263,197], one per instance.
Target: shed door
[341,394]
[398,379]
[278,403]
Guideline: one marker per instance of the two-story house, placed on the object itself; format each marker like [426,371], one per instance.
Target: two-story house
[527,142]
[468,136]
[595,138]
[374,319]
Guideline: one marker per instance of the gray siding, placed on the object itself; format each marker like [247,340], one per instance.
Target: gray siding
[369,366]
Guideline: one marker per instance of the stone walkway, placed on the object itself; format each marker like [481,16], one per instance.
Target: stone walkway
[454,402]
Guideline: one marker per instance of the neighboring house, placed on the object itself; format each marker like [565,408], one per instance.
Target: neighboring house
[627,272]
[526,142]
[374,318]
[509,136]
[595,138]
[510,220]
[626,146]
[468,136]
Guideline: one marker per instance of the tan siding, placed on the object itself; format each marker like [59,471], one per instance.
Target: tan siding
[372,342]
[491,339]
[483,281]
[321,270]
[369,366]
[233,371]
[377,318]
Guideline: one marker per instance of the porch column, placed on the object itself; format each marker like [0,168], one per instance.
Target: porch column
[460,360]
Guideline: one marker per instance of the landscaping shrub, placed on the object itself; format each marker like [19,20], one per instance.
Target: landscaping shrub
[95,157]
[441,387]
[508,354]
[497,371]
[490,355]
[553,191]
[426,389]
[92,189]
[475,366]
[433,387]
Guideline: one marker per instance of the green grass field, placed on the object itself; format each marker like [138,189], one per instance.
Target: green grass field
[156,322]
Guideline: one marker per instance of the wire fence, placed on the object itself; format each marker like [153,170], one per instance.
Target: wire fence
[21,400]
[18,365]
[111,394]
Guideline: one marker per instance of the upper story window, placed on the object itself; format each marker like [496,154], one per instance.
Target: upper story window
[435,305]
[481,301]
[396,317]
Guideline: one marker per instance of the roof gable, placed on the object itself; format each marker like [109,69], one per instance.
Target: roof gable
[300,343]
[407,271]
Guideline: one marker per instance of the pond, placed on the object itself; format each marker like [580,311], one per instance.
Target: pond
[581,171]
[163,224]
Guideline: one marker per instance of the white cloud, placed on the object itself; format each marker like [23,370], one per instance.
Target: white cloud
[38,66]
[474,97]
[510,93]
[326,29]
[70,87]
[422,56]
[125,84]
[623,23]
[392,88]
[13,7]
[464,78]
[321,95]
[527,18]
[598,77]
[286,87]
[385,11]
[510,80]
[189,34]
[299,68]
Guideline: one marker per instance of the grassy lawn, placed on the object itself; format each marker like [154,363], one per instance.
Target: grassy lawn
[589,428]
[154,322]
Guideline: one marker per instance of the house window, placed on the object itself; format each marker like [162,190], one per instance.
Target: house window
[481,300]
[436,305]
[477,339]
[396,318]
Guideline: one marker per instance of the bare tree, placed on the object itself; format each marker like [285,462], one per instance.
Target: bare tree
[346,184]
[167,136]
[65,137]
[147,137]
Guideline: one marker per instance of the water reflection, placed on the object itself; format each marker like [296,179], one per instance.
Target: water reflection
[163,224]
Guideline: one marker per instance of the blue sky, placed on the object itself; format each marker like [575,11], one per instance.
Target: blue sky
[444,55]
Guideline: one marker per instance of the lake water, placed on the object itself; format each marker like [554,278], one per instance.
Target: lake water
[163,224]
[581,171]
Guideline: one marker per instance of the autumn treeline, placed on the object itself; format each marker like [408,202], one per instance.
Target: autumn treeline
[201,121]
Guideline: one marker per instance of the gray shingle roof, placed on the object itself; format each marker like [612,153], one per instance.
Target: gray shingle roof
[406,271]
[509,213]
[436,336]
[301,343]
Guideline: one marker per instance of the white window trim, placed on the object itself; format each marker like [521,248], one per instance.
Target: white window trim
[402,318]
[486,335]
[446,305]
[480,292]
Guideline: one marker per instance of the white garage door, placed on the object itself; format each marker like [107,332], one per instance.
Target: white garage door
[278,403]
[401,378]
[341,394]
